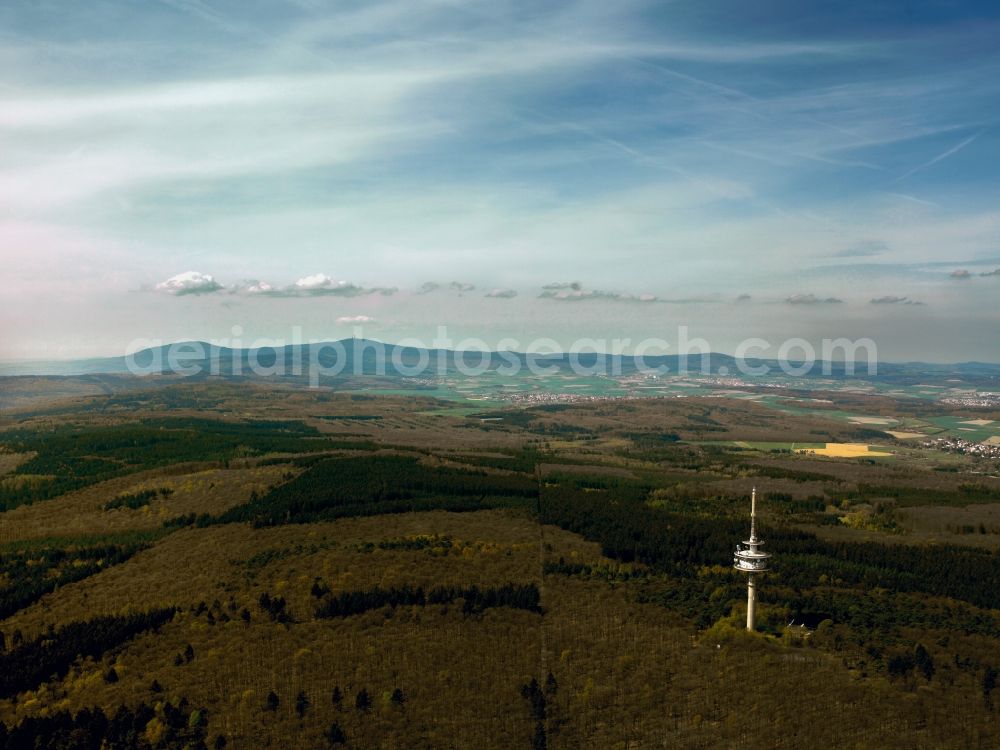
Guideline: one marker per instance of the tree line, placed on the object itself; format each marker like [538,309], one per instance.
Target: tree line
[136,500]
[142,726]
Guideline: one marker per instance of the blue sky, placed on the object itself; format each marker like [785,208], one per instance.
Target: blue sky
[173,168]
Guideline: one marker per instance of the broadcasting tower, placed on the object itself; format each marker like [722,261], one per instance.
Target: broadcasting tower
[750,559]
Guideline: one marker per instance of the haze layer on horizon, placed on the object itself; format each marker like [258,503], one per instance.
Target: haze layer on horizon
[173,169]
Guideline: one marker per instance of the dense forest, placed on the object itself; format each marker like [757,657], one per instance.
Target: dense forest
[138,728]
[29,574]
[375,575]
[369,485]
[26,665]
[474,599]
[70,457]
[631,530]
[136,500]
[874,592]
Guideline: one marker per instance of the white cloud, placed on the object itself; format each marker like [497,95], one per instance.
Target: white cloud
[812,299]
[891,299]
[572,294]
[314,285]
[573,291]
[321,284]
[454,286]
[644,297]
[355,319]
[500,293]
[189,282]
[316,281]
[254,287]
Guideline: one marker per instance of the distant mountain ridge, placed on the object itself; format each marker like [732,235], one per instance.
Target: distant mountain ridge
[370,357]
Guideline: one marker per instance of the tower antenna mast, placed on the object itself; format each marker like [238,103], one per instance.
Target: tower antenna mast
[751,560]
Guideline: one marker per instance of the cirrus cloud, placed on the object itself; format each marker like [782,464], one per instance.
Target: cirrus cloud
[864,249]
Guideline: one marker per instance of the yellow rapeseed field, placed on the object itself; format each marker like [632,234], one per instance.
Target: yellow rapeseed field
[845,450]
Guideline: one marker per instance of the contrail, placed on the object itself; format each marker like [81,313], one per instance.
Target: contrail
[942,156]
[914,199]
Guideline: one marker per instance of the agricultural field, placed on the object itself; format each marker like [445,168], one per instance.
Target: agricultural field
[209,564]
[978,430]
[846,450]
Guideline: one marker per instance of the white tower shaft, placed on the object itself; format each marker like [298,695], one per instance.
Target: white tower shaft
[751,588]
[750,559]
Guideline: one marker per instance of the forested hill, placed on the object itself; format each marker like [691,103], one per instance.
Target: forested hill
[228,564]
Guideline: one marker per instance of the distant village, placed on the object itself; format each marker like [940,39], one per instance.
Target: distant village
[967,447]
[989,400]
[538,398]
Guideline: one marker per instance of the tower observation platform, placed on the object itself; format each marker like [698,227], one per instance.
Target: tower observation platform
[750,559]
